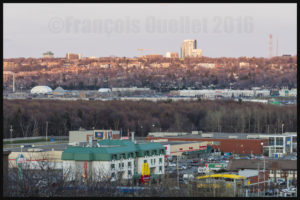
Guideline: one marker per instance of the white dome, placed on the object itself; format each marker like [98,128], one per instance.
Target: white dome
[40,90]
[104,90]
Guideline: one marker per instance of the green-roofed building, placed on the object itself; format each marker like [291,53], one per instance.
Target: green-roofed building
[116,159]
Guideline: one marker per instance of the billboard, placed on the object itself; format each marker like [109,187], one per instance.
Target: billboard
[99,135]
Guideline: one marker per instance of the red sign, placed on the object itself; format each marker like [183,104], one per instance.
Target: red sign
[145,178]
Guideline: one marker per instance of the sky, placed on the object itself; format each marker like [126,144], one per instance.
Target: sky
[221,30]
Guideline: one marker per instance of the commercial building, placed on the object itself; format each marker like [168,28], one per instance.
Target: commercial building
[112,159]
[280,144]
[71,56]
[48,54]
[286,169]
[189,49]
[87,135]
[224,142]
[177,148]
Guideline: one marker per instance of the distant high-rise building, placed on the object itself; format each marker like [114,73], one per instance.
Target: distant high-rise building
[48,54]
[71,56]
[189,49]
[171,54]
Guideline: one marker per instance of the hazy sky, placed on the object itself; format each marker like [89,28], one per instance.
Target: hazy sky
[229,30]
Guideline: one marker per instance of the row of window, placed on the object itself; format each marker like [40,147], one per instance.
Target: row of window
[122,165]
[280,172]
[153,161]
[135,154]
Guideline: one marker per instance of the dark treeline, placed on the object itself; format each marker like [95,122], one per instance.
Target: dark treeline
[28,117]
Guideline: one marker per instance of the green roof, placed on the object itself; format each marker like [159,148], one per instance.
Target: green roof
[112,149]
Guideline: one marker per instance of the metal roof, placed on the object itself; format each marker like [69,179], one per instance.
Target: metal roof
[112,149]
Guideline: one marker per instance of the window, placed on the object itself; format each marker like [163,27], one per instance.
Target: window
[160,168]
[160,160]
[271,141]
[279,141]
[129,164]
[154,160]
[119,165]
[122,165]
[113,174]
[129,173]
[112,166]
[151,161]
[145,161]
[114,157]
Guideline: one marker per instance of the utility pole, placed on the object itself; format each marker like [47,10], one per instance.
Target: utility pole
[46,131]
[258,181]
[264,176]
[177,173]
[11,130]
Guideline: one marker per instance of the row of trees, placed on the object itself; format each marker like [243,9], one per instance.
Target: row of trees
[29,117]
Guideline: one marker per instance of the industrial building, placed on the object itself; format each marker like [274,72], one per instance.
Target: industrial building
[112,159]
[87,135]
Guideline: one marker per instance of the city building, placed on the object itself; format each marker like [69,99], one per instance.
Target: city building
[171,55]
[71,56]
[280,144]
[112,159]
[189,49]
[48,54]
[86,135]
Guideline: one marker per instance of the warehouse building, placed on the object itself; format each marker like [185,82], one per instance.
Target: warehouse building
[223,142]
[87,135]
[112,159]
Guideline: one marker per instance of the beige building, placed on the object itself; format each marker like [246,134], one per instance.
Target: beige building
[71,56]
[171,55]
[189,49]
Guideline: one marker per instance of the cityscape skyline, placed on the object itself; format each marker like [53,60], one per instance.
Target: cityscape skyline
[221,30]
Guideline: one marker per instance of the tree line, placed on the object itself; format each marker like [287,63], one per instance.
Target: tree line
[28,117]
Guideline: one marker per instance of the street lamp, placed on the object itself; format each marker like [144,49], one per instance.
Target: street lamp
[11,130]
[282,125]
